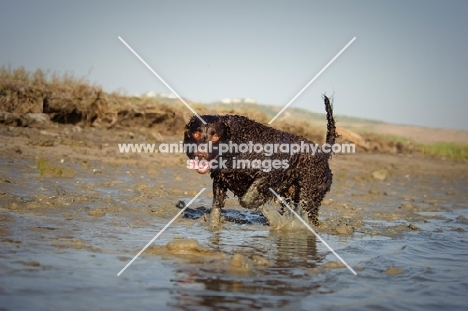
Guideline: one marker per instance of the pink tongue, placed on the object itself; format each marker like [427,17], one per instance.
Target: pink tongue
[203,170]
[206,168]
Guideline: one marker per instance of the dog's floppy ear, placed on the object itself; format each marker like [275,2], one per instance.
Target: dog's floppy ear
[188,126]
[227,128]
[190,123]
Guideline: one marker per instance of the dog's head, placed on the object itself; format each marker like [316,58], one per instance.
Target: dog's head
[201,141]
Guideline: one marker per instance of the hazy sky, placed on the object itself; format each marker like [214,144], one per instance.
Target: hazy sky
[408,64]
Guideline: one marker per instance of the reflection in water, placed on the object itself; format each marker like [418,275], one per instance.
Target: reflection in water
[216,285]
[296,249]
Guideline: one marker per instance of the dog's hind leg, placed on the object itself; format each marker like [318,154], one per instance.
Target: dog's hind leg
[310,200]
[258,197]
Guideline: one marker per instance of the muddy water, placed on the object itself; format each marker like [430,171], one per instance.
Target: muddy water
[64,239]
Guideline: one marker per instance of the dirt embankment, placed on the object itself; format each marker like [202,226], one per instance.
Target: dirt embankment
[32,101]
[44,101]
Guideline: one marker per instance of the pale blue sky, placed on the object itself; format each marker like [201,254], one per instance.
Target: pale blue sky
[408,64]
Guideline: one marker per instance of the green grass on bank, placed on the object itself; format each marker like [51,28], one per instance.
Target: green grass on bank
[445,149]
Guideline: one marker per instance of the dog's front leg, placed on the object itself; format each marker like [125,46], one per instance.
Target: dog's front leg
[219,196]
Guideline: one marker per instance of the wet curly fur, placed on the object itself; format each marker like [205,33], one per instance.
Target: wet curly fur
[304,183]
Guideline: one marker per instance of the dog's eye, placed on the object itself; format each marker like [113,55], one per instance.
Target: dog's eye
[215,137]
[196,135]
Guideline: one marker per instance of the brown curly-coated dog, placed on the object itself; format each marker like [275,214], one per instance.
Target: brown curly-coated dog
[302,178]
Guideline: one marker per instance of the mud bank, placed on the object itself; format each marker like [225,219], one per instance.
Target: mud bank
[74,211]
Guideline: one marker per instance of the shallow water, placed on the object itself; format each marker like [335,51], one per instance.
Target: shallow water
[56,255]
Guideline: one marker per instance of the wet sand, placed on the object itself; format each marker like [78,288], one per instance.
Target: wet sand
[74,211]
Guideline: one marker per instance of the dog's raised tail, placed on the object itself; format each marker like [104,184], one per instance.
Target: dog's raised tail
[331,129]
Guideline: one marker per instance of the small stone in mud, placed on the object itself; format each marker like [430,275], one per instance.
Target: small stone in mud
[334,265]
[59,190]
[381,174]
[188,244]
[344,229]
[41,140]
[241,262]
[261,261]
[4,217]
[457,229]
[47,169]
[413,227]
[17,149]
[180,204]
[409,207]
[31,263]
[394,271]
[377,192]
[5,180]
[313,270]
[432,202]
[13,206]
[189,247]
[77,129]
[186,248]
[98,212]
[69,243]
[359,178]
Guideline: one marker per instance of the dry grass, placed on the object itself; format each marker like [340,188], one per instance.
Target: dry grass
[68,99]
[72,100]
[23,92]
